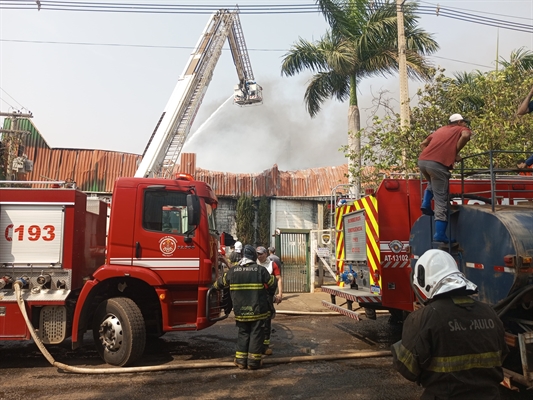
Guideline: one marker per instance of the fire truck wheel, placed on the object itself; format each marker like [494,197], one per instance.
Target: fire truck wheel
[119,332]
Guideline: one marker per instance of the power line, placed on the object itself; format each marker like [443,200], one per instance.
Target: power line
[122,45]
[1,98]
[481,12]
[437,10]
[497,23]
[202,9]
[460,61]
[185,48]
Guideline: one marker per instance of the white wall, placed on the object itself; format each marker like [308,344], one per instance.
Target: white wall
[293,214]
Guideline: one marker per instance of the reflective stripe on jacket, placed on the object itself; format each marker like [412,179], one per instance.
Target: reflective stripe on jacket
[249,286]
[454,347]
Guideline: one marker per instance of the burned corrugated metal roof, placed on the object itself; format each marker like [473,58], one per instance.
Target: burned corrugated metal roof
[313,182]
[96,171]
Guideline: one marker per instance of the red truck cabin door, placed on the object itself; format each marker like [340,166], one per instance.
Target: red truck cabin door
[159,235]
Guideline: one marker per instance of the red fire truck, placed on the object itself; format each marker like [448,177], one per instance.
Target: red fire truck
[154,278]
[155,272]
[380,236]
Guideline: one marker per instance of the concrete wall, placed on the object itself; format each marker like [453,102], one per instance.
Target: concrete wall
[284,214]
[225,215]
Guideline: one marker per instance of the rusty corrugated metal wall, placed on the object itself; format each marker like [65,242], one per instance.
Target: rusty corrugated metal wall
[92,170]
[96,171]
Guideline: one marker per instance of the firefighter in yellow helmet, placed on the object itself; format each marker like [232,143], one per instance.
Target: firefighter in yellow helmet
[454,346]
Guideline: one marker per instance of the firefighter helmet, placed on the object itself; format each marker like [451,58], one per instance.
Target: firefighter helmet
[436,272]
[238,247]
[249,252]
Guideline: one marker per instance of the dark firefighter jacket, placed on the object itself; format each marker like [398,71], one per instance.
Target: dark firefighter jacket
[249,287]
[454,348]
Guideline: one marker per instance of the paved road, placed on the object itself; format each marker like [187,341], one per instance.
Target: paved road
[26,374]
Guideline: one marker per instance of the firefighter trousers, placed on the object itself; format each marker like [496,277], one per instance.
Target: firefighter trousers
[250,343]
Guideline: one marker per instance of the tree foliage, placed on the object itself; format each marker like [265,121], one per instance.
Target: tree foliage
[489,100]
[263,222]
[245,219]
[362,42]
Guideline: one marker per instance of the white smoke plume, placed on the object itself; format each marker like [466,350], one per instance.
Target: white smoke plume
[280,131]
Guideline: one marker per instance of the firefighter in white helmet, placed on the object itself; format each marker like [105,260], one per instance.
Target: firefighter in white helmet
[454,346]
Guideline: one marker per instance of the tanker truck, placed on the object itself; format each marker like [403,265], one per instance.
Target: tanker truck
[492,244]
[379,237]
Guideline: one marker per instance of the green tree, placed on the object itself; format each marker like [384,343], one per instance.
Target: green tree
[489,100]
[263,222]
[245,219]
[362,42]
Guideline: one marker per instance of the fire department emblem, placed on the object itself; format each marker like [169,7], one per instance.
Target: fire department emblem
[396,246]
[167,245]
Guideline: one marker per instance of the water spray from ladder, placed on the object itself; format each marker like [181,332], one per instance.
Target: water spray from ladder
[208,120]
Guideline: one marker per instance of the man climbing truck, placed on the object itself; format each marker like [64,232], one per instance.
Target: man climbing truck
[155,277]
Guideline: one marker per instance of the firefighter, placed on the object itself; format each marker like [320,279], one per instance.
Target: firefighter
[250,285]
[454,346]
[236,255]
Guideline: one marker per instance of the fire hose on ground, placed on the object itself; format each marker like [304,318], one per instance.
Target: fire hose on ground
[18,284]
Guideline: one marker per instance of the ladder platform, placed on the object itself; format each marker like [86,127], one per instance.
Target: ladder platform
[340,310]
[352,295]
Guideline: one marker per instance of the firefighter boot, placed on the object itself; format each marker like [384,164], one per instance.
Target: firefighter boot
[254,361]
[241,360]
[440,232]
[426,203]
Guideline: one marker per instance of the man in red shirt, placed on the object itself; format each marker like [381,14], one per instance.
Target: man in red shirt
[440,151]
[274,269]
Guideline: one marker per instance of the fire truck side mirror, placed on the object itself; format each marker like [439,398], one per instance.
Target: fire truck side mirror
[193,210]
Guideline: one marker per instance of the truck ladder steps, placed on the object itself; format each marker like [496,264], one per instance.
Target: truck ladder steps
[184,302]
[356,296]
[200,79]
[184,326]
[343,311]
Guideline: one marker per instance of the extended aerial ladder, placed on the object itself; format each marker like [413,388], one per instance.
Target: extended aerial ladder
[165,145]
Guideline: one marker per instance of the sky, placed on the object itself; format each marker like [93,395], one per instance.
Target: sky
[97,80]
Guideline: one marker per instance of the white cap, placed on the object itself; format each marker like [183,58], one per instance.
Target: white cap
[457,117]
[238,247]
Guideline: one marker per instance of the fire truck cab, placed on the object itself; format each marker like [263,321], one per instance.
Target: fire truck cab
[154,277]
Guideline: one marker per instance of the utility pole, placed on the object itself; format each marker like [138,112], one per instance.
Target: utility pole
[402,63]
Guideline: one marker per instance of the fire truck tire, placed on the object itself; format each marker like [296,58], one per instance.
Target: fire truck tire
[119,332]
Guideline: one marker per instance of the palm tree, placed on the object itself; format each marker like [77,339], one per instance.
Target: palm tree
[362,42]
[521,58]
